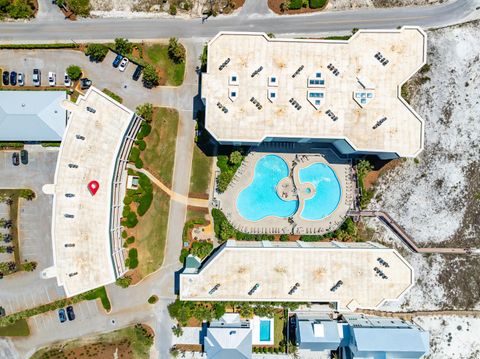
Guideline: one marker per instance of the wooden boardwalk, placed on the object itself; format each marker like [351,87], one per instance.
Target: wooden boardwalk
[404,236]
[409,315]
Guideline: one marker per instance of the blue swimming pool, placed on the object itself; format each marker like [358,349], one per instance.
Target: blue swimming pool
[264,330]
[260,198]
[328,191]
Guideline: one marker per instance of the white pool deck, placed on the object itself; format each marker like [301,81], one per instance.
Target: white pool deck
[82,248]
[281,225]
[358,71]
[277,266]
[255,325]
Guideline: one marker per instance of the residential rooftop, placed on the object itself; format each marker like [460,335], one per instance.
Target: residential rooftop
[258,88]
[315,268]
[81,225]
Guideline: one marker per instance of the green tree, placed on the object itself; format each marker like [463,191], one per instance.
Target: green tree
[226,231]
[74,72]
[79,7]
[150,76]
[123,46]
[218,309]
[176,51]
[29,266]
[174,352]
[20,9]
[235,158]
[201,249]
[204,58]
[145,111]
[28,194]
[96,52]
[172,10]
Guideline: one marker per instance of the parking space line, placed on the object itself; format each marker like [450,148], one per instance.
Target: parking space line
[48,295]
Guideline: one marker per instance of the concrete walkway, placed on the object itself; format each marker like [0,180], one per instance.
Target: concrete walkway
[48,12]
[423,313]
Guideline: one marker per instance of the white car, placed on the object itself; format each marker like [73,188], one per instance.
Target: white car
[52,79]
[123,64]
[21,79]
[67,80]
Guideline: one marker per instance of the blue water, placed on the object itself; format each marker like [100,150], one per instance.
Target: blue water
[264,330]
[260,198]
[328,193]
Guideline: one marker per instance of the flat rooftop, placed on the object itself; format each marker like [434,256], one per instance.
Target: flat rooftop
[82,252]
[340,78]
[238,266]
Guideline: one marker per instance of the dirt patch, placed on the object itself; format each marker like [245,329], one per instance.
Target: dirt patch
[194,322]
[94,350]
[372,177]
[277,7]
[189,347]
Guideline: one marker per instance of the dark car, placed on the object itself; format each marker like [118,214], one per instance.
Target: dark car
[70,313]
[6,78]
[61,315]
[137,73]
[117,60]
[37,77]
[15,159]
[85,83]
[24,156]
[13,78]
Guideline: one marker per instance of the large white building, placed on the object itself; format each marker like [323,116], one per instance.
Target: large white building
[258,89]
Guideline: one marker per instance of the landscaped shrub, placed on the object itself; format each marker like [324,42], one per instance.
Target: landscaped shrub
[123,46]
[132,260]
[142,145]
[224,230]
[316,4]
[183,255]
[130,240]
[138,163]
[131,220]
[295,4]
[134,154]
[124,281]
[284,237]
[79,7]
[4,145]
[145,130]
[74,72]
[176,51]
[27,193]
[113,95]
[363,167]
[201,249]
[228,166]
[152,299]
[145,111]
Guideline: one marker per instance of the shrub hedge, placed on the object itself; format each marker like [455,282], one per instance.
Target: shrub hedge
[40,46]
[224,230]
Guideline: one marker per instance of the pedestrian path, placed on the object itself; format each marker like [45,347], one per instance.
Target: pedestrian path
[177,197]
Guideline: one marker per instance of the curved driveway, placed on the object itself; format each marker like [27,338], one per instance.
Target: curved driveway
[143,29]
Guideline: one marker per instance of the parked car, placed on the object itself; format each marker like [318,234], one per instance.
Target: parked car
[6,78]
[15,159]
[13,78]
[21,79]
[137,73]
[117,60]
[67,82]
[85,83]
[37,77]
[52,78]
[70,313]
[123,64]
[91,109]
[24,157]
[61,315]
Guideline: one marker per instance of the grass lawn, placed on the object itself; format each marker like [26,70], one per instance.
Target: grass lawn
[18,329]
[201,172]
[278,328]
[173,73]
[159,155]
[113,95]
[131,342]
[151,234]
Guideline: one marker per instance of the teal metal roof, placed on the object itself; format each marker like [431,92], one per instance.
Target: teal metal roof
[32,115]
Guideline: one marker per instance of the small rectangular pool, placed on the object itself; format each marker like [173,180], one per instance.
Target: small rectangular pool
[264,330]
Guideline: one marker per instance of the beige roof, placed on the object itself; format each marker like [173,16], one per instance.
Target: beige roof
[358,70]
[88,264]
[317,267]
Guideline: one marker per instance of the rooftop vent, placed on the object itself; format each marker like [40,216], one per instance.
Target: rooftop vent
[331,115]
[295,74]
[225,63]
[333,69]
[379,122]
[381,58]
[257,71]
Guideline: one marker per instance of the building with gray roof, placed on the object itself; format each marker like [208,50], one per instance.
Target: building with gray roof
[32,116]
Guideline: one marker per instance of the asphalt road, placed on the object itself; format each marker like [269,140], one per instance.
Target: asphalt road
[144,29]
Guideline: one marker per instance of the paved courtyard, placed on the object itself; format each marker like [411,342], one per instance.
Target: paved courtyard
[25,289]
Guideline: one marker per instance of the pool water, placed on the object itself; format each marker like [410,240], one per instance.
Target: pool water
[264,330]
[328,191]
[260,198]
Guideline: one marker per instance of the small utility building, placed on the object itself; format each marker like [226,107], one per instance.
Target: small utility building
[32,116]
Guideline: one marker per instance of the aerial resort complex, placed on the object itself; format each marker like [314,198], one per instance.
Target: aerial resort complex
[307,110]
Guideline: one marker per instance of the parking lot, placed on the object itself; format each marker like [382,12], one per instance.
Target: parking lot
[26,289]
[103,74]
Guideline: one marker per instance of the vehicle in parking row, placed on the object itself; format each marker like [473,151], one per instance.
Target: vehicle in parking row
[21,79]
[123,64]
[137,73]
[117,60]
[6,78]
[13,78]
[66,80]
[15,159]
[52,78]
[24,157]
[37,77]
[70,313]
[85,83]
[61,315]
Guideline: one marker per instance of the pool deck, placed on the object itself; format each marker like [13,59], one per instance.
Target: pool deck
[294,224]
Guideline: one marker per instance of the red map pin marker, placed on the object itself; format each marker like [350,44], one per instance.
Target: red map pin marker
[93,187]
